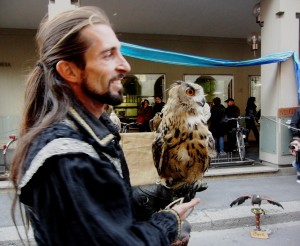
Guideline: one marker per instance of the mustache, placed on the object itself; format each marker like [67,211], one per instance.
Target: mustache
[117,77]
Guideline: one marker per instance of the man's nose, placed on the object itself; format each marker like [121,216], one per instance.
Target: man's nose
[124,65]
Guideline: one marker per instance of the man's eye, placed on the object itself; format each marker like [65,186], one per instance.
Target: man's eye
[190,91]
[108,54]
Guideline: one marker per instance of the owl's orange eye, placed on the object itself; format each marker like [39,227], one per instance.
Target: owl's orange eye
[190,91]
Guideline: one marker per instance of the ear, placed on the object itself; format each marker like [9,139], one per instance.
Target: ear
[69,71]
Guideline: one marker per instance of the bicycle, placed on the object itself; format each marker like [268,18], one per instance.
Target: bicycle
[240,134]
[125,127]
[5,148]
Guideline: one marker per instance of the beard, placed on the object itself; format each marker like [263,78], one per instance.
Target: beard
[105,98]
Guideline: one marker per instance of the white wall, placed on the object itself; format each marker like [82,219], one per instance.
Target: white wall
[17,49]
[279,88]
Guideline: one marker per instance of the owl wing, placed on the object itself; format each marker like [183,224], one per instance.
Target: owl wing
[157,152]
[180,160]
[165,156]
[155,121]
[171,168]
[211,149]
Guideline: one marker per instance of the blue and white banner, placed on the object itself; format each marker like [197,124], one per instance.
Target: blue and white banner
[157,55]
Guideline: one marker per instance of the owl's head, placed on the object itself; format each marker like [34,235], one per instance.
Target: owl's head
[187,95]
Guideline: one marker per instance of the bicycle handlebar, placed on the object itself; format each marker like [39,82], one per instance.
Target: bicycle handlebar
[130,124]
[238,118]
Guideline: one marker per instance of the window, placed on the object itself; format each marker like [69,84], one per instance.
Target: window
[136,88]
[214,85]
[255,89]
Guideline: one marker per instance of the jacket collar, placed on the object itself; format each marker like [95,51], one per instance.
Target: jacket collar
[102,129]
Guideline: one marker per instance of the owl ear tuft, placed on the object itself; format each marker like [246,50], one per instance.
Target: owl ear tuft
[178,82]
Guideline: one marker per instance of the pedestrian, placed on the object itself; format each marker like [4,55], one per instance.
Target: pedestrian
[217,124]
[251,113]
[232,111]
[69,170]
[295,151]
[158,106]
[144,116]
[113,116]
[295,124]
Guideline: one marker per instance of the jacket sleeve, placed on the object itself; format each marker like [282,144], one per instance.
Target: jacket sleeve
[78,200]
[295,123]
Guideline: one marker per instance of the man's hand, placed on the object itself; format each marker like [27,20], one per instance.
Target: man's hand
[294,147]
[183,208]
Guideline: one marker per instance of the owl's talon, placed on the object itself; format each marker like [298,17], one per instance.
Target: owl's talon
[202,187]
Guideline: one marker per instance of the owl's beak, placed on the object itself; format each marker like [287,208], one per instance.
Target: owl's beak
[202,103]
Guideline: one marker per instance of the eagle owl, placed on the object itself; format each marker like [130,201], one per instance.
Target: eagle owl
[183,146]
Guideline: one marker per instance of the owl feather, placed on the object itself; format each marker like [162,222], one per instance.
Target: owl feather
[183,147]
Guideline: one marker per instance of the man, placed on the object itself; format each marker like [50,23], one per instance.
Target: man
[232,111]
[251,113]
[158,106]
[217,125]
[295,124]
[69,170]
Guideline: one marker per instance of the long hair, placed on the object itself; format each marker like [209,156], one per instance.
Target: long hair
[47,96]
[251,101]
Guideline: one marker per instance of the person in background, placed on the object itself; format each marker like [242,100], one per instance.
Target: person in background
[295,151]
[251,122]
[113,116]
[144,116]
[295,124]
[69,170]
[232,111]
[159,104]
[217,124]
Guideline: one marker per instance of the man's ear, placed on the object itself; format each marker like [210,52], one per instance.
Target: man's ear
[69,71]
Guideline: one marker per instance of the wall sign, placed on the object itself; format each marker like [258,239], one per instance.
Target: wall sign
[286,112]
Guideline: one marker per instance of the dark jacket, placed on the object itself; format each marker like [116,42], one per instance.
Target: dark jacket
[76,188]
[295,124]
[217,126]
[157,107]
[231,112]
[252,113]
[146,113]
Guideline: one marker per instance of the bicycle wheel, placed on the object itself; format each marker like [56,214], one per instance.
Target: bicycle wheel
[240,145]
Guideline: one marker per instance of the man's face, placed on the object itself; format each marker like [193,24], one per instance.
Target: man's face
[105,66]
[157,100]
[230,103]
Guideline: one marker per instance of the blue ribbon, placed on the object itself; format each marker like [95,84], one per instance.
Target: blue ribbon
[157,55]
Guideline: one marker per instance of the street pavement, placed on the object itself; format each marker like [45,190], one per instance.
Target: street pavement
[282,234]
[215,223]
[214,211]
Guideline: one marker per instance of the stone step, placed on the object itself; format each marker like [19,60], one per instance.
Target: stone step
[246,171]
